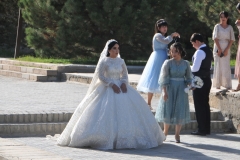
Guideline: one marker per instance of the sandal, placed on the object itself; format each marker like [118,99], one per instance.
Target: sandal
[177,138]
[150,107]
[237,89]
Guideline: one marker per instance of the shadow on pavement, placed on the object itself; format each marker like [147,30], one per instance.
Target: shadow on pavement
[166,151]
[235,138]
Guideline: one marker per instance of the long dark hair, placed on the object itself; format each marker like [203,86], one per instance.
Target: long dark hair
[225,15]
[179,48]
[159,24]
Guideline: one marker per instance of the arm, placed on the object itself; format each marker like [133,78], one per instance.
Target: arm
[165,40]
[230,42]
[101,70]
[188,74]
[216,41]
[164,79]
[124,78]
[198,57]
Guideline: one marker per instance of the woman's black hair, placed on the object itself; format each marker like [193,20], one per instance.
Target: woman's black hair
[110,45]
[225,15]
[178,48]
[159,24]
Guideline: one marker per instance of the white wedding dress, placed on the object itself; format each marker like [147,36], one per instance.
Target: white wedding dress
[107,120]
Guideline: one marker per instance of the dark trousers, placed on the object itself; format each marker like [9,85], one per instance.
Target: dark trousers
[202,107]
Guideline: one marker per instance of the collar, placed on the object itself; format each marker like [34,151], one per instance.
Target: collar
[203,45]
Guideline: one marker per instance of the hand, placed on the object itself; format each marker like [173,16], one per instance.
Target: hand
[175,34]
[225,53]
[238,36]
[165,96]
[219,51]
[123,88]
[237,22]
[115,88]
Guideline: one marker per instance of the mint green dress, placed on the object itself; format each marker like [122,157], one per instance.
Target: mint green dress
[175,77]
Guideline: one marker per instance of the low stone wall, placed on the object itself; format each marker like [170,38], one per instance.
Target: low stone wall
[229,105]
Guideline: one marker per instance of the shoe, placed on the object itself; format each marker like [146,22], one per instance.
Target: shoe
[150,107]
[237,89]
[198,133]
[177,138]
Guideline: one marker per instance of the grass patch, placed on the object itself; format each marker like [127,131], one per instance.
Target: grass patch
[59,60]
[79,60]
[86,60]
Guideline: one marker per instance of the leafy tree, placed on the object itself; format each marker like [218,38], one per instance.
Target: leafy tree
[41,18]
[8,22]
[71,28]
[208,12]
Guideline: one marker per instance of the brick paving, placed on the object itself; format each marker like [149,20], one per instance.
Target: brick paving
[212,147]
[18,95]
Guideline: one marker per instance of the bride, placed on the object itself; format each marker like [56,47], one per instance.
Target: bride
[112,115]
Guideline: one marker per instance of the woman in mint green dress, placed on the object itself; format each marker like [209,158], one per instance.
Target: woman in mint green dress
[173,107]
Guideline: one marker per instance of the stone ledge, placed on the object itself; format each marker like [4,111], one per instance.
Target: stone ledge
[230,107]
[28,76]
[31,129]
[45,117]
[42,129]
[25,69]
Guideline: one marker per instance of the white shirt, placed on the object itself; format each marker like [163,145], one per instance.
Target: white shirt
[197,58]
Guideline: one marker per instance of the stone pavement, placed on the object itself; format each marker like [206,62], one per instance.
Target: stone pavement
[19,96]
[212,147]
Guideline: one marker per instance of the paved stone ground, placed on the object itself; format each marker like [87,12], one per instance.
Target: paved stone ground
[19,95]
[212,147]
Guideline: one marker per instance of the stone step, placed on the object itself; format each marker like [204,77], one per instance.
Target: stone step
[216,126]
[24,69]
[29,64]
[28,76]
[35,117]
[65,117]
[41,129]
[31,129]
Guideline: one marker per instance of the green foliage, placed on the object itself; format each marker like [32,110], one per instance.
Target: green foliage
[76,28]
[73,28]
[208,12]
[8,22]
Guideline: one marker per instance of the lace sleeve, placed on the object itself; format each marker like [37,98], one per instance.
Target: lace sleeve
[188,75]
[215,32]
[164,77]
[124,78]
[232,37]
[166,40]
[101,74]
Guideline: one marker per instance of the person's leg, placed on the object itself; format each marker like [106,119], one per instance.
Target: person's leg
[207,109]
[199,98]
[166,128]
[150,95]
[177,132]
[238,86]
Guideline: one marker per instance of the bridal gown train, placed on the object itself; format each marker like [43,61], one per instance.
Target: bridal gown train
[107,120]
